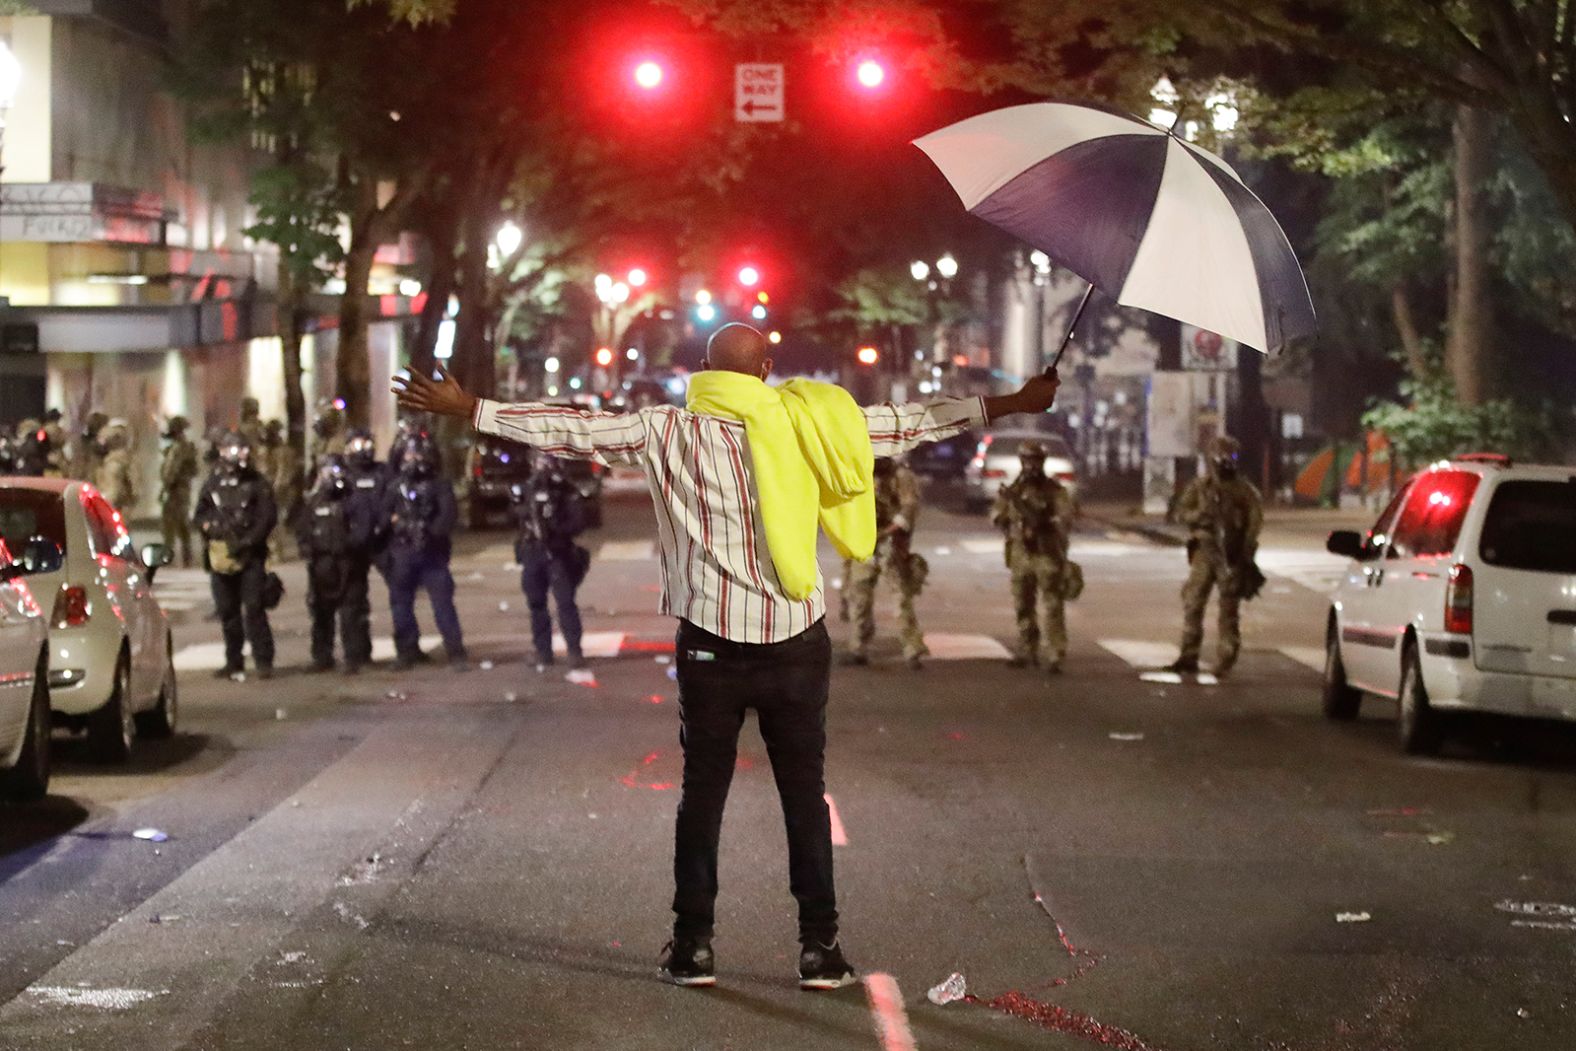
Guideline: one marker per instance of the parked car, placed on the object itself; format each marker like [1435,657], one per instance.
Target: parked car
[24,687]
[111,652]
[498,465]
[945,461]
[995,463]
[1461,597]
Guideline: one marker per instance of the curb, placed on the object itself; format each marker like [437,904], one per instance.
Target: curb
[1157,533]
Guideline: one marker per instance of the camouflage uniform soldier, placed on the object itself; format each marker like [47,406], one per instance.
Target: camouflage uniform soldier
[1223,514]
[177,472]
[88,451]
[282,467]
[328,433]
[251,426]
[897,507]
[114,478]
[1035,513]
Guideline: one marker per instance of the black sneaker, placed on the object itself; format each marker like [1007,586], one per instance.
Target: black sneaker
[823,967]
[687,963]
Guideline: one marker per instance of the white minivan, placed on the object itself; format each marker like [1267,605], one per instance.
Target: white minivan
[1461,597]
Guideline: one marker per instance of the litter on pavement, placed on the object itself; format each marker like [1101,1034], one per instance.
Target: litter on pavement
[1125,736]
[582,677]
[280,714]
[1352,917]
[511,697]
[396,695]
[152,835]
[952,989]
[503,607]
[486,665]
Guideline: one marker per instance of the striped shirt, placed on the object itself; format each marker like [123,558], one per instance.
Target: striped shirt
[717,572]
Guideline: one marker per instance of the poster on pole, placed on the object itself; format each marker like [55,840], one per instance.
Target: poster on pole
[1206,351]
[1169,421]
[757,92]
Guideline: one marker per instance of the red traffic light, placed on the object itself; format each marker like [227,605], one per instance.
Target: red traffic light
[648,75]
[749,276]
[604,356]
[868,355]
[870,73]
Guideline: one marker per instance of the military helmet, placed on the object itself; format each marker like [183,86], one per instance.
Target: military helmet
[250,408]
[1223,453]
[235,452]
[176,426]
[52,416]
[1032,450]
[116,434]
[330,417]
[273,430]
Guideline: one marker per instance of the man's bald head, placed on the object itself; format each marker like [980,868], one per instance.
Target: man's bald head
[738,348]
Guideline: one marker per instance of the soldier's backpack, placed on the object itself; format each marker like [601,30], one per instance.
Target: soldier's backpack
[1072,580]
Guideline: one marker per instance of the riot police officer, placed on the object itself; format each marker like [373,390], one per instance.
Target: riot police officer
[177,471]
[335,531]
[114,477]
[420,513]
[551,514]
[897,508]
[1035,514]
[235,513]
[1223,513]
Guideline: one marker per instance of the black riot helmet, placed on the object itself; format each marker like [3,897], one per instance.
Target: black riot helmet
[235,452]
[418,456]
[360,450]
[331,472]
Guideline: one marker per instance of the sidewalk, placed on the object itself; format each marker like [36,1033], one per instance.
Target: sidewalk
[1300,525]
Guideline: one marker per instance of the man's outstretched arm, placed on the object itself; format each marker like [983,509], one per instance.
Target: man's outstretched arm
[557,429]
[895,429]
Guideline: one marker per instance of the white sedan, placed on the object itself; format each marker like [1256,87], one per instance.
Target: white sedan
[24,688]
[111,654]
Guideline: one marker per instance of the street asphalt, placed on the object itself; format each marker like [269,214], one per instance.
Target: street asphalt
[482,860]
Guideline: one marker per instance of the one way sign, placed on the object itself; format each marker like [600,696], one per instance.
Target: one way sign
[757,92]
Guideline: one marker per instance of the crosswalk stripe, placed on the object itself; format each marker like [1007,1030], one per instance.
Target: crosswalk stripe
[946,647]
[984,546]
[1141,653]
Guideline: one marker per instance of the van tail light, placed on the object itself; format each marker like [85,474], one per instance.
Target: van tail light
[72,608]
[1066,476]
[993,472]
[1458,600]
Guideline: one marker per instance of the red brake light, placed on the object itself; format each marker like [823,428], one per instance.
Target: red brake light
[1066,476]
[994,472]
[72,608]
[1458,600]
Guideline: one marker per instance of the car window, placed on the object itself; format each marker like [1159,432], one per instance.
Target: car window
[1430,520]
[106,531]
[1531,525]
[1379,535]
[26,513]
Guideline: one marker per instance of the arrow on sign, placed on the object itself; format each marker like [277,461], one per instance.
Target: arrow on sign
[751,107]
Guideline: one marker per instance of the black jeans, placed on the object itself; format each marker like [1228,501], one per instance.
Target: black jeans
[543,571]
[339,591]
[787,685]
[238,597]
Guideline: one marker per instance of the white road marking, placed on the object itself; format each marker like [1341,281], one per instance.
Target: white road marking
[209,656]
[984,546]
[594,643]
[943,550]
[1204,678]
[1169,678]
[1141,653]
[839,833]
[103,999]
[886,1007]
[945,647]
[1307,656]
[627,551]
[1316,570]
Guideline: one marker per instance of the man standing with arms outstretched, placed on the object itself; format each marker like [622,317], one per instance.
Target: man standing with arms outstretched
[741,479]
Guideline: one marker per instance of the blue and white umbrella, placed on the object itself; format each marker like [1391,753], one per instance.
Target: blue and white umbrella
[1150,220]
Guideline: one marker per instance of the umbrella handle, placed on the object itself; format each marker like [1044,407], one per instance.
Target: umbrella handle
[1071,325]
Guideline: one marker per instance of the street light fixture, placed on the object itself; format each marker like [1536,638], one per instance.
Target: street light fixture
[648,75]
[870,73]
[920,269]
[550,365]
[637,277]
[509,238]
[702,297]
[947,266]
[749,276]
[758,312]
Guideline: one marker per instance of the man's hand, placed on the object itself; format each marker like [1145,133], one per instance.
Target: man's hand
[443,396]
[1037,395]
